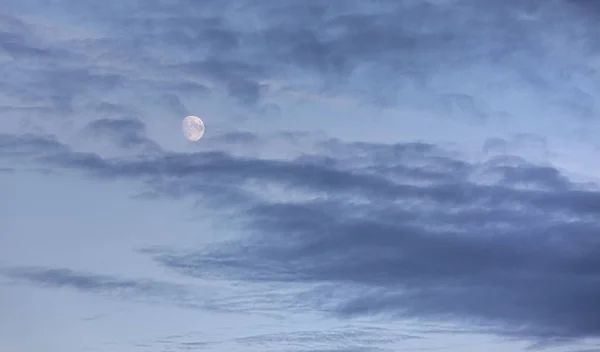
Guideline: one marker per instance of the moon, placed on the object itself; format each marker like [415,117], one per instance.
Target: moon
[193,128]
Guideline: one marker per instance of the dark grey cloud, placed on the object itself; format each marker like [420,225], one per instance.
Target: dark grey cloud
[531,274]
[405,230]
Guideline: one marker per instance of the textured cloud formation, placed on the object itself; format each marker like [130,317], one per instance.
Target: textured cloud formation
[407,230]
[505,244]
[409,53]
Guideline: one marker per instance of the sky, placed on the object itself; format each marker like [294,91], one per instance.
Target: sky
[375,176]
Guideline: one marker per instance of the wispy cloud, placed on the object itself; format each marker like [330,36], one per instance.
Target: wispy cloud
[344,338]
[126,134]
[142,290]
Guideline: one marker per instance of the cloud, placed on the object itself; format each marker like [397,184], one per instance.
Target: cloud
[247,91]
[125,133]
[245,50]
[386,53]
[243,138]
[353,47]
[347,336]
[30,145]
[343,338]
[519,267]
[137,290]
[406,230]
[19,40]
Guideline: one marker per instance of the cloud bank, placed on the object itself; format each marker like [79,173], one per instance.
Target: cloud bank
[400,231]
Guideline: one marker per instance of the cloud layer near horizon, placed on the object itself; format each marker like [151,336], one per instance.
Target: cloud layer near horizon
[407,230]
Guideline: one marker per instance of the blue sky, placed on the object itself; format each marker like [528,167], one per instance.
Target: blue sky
[410,175]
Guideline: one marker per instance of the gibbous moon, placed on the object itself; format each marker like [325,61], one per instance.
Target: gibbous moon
[193,128]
